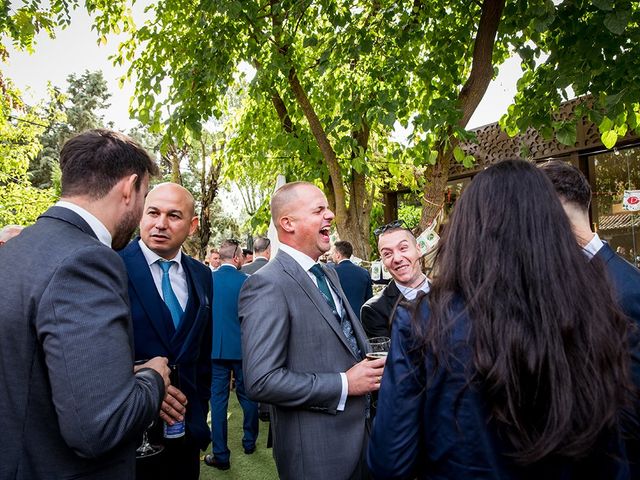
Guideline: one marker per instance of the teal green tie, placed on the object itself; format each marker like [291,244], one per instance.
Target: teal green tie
[169,295]
[324,286]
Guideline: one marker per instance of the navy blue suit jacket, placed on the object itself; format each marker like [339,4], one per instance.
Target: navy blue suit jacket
[227,281]
[356,283]
[188,347]
[626,283]
[441,429]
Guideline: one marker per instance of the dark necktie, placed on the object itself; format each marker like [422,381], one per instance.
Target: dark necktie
[345,323]
[169,295]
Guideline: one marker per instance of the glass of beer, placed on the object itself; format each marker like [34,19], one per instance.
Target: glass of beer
[379,347]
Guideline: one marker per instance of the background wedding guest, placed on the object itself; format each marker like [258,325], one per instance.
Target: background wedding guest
[72,405]
[515,365]
[170,295]
[303,349]
[226,359]
[355,280]
[261,255]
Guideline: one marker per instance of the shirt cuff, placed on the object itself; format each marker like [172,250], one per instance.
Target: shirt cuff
[345,391]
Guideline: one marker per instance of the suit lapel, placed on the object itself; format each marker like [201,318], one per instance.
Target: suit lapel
[145,288]
[295,271]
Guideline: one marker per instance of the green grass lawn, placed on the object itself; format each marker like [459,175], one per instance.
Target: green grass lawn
[258,466]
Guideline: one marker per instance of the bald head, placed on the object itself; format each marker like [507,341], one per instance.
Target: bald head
[286,198]
[176,191]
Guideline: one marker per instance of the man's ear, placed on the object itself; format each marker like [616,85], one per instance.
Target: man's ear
[128,187]
[194,225]
[286,223]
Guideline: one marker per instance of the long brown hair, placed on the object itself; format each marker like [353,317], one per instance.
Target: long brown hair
[549,343]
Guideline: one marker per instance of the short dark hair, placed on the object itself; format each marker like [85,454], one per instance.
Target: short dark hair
[93,161]
[344,248]
[230,248]
[570,183]
[260,244]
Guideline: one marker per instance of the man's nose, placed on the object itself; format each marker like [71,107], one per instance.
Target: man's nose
[161,222]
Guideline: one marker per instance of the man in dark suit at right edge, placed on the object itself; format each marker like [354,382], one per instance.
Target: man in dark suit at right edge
[72,405]
[355,280]
[574,192]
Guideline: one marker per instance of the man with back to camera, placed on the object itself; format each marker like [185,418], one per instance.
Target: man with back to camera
[171,296]
[304,353]
[400,254]
[261,255]
[73,407]
[574,192]
[355,280]
[226,358]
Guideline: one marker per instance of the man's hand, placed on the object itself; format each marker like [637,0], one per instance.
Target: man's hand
[160,365]
[173,406]
[364,377]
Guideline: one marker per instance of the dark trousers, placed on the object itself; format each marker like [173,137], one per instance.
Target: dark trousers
[220,378]
[179,459]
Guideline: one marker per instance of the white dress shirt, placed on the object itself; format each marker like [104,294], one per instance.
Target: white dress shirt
[306,262]
[177,275]
[96,225]
[593,247]
[411,293]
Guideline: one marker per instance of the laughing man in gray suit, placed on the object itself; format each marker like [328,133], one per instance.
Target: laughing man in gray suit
[72,406]
[304,353]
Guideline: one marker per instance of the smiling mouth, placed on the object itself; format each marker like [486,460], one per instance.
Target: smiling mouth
[159,237]
[324,231]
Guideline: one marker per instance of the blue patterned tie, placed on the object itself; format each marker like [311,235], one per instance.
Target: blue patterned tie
[169,295]
[345,323]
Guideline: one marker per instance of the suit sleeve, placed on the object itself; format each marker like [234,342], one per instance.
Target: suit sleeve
[369,293]
[265,326]
[204,359]
[395,440]
[84,326]
[375,323]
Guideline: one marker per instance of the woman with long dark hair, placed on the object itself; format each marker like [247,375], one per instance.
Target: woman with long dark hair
[516,365]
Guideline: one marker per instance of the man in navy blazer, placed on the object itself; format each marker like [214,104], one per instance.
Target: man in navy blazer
[172,317]
[355,280]
[226,357]
[72,405]
[574,192]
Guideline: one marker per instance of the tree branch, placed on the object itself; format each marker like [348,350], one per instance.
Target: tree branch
[482,65]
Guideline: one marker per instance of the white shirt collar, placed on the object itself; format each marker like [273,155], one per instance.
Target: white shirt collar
[411,293]
[304,260]
[152,257]
[344,260]
[227,265]
[96,225]
[593,247]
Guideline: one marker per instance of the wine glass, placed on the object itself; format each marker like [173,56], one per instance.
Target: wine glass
[146,449]
[379,347]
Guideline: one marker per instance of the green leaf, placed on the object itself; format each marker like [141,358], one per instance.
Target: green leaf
[609,138]
[468,161]
[458,154]
[616,22]
[567,134]
[433,157]
[606,5]
[605,125]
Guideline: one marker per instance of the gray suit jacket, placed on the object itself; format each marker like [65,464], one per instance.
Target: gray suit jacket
[72,407]
[253,267]
[293,353]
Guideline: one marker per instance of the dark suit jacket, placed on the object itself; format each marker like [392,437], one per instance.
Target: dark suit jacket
[71,404]
[431,423]
[189,347]
[356,283]
[293,352]
[376,314]
[227,281]
[626,282]
[254,266]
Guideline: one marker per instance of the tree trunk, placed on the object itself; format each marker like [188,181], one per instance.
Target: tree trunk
[470,96]
[209,183]
[353,221]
